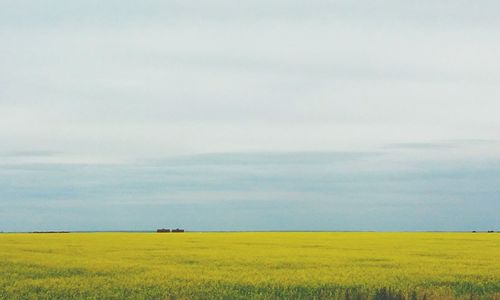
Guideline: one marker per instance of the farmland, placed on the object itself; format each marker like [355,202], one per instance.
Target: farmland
[250,265]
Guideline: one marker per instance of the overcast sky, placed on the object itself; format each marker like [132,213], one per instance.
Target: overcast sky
[244,115]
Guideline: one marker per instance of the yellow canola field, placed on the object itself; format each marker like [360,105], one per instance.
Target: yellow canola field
[250,265]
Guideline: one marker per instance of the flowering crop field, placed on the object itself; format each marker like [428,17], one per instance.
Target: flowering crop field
[271,265]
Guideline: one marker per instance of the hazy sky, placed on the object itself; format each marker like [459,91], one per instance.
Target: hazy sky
[245,115]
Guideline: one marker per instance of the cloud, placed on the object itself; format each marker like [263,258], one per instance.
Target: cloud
[29,153]
[419,146]
[176,103]
[328,191]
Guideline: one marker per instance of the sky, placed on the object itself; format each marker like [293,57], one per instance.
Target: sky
[249,115]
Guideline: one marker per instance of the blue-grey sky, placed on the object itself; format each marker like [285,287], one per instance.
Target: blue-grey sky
[249,115]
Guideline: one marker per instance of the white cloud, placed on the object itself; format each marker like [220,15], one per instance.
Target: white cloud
[175,78]
[122,81]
